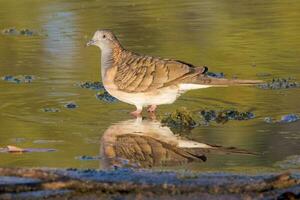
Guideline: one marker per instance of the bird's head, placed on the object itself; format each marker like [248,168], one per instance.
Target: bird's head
[104,39]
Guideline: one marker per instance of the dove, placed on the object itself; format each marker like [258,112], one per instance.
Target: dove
[148,81]
[148,143]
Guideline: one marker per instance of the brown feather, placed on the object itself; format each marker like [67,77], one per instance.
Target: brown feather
[137,73]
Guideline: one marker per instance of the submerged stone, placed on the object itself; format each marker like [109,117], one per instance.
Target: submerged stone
[208,116]
[54,110]
[88,157]
[180,119]
[102,95]
[92,85]
[289,118]
[21,32]
[18,79]
[284,119]
[223,116]
[9,31]
[106,97]
[279,83]
[269,120]
[71,105]
[215,74]
[26,32]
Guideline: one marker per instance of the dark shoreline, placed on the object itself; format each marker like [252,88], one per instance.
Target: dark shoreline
[30,183]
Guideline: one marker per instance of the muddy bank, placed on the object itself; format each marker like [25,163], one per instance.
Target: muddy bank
[86,184]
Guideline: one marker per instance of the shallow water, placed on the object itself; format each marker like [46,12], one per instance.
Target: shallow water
[241,39]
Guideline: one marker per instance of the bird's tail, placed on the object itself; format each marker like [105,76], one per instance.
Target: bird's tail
[231,150]
[222,82]
[201,153]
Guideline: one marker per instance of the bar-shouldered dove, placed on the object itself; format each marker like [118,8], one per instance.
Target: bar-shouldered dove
[143,80]
[148,143]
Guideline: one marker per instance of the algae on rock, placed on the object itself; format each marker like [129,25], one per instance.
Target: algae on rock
[180,119]
[279,83]
[222,116]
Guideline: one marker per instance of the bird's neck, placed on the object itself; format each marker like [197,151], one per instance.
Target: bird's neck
[109,56]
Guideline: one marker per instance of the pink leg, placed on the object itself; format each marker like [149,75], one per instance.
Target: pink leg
[138,112]
[152,108]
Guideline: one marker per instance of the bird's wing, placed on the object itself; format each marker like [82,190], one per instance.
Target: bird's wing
[148,152]
[137,73]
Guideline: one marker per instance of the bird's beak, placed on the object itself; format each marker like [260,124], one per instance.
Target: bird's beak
[91,42]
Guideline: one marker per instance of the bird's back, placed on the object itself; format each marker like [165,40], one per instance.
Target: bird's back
[141,73]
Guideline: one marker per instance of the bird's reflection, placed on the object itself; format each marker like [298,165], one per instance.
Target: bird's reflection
[147,143]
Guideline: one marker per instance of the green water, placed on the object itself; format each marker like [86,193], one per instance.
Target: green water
[240,38]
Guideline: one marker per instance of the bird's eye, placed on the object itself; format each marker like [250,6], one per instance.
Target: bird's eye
[104,36]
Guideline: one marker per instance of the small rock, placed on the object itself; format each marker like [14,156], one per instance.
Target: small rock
[26,32]
[92,85]
[18,79]
[215,75]
[9,31]
[284,119]
[54,110]
[71,105]
[7,78]
[268,120]
[105,96]
[181,119]
[289,118]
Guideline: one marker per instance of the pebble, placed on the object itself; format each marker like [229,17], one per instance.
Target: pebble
[71,105]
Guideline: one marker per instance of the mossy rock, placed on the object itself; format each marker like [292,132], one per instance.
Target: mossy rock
[222,116]
[180,119]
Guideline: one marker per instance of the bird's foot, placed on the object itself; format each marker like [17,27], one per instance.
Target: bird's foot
[152,108]
[137,113]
